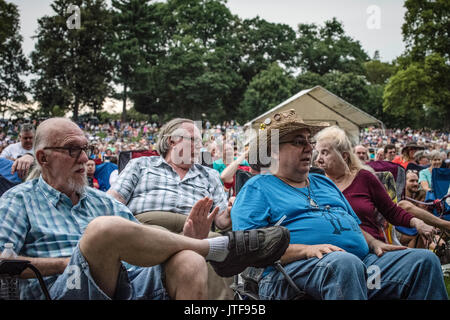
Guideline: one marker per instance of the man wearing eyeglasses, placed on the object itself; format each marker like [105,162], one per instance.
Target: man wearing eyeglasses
[330,254]
[162,190]
[87,245]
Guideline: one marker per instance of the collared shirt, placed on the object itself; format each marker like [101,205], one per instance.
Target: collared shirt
[151,184]
[42,222]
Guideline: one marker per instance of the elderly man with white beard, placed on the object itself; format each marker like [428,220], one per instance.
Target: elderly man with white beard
[64,227]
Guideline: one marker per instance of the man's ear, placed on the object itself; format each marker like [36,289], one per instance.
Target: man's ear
[41,157]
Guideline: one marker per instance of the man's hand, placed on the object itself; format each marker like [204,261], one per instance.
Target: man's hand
[223,219]
[22,166]
[425,231]
[198,223]
[320,249]
[379,248]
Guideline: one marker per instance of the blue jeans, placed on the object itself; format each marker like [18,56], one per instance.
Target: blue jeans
[76,283]
[403,274]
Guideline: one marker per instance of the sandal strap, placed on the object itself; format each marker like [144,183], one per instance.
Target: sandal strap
[240,243]
[253,240]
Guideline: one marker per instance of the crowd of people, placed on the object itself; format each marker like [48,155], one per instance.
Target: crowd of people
[318,209]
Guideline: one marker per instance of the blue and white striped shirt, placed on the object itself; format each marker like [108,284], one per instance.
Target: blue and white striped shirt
[151,184]
[42,222]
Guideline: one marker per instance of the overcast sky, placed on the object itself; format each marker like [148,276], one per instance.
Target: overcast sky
[375,23]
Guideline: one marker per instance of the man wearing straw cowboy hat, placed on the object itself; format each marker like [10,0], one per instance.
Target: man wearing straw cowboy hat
[407,155]
[329,256]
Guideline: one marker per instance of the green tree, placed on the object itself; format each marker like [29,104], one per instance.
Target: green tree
[421,92]
[378,72]
[133,24]
[13,63]
[426,28]
[267,89]
[263,43]
[327,48]
[73,61]
[191,67]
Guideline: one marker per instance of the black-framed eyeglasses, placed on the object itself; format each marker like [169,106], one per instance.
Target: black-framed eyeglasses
[74,152]
[301,142]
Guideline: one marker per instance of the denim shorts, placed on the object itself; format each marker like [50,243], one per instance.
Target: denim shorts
[133,283]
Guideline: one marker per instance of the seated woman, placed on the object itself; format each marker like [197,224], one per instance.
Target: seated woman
[425,174]
[365,193]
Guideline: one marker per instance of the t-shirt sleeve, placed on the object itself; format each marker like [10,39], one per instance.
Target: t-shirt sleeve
[424,175]
[250,209]
[6,153]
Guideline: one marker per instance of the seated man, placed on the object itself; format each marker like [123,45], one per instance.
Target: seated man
[390,152]
[161,190]
[67,229]
[362,153]
[21,152]
[329,254]
[90,171]
[409,236]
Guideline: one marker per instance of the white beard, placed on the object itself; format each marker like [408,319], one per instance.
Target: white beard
[78,185]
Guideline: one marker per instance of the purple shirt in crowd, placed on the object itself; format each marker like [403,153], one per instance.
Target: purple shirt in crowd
[366,195]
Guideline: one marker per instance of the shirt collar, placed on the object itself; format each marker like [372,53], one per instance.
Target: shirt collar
[53,195]
[192,173]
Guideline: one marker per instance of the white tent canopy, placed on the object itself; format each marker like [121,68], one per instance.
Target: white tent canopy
[317,105]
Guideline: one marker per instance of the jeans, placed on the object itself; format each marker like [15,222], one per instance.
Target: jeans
[403,274]
[76,283]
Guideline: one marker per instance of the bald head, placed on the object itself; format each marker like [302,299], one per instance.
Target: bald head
[60,149]
[52,131]
[362,153]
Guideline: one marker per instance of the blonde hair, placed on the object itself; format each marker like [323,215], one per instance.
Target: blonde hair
[341,143]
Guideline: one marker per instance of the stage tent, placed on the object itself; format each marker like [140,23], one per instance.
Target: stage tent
[317,105]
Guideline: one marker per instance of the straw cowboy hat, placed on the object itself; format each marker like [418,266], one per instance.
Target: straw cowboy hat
[285,122]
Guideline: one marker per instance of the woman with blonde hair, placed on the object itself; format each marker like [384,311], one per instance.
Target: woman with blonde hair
[362,189]
[425,174]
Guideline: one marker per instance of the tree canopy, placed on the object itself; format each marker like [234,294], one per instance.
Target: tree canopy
[194,58]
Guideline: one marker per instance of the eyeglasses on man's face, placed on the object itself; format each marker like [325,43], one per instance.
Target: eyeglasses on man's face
[301,142]
[74,151]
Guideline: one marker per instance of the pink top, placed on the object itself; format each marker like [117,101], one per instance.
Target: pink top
[367,196]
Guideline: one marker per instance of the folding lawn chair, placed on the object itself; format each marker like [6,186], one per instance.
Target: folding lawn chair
[102,174]
[10,269]
[398,172]
[125,156]
[5,185]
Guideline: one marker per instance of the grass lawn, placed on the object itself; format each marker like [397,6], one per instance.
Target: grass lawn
[447,284]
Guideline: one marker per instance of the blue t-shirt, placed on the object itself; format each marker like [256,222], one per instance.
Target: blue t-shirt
[265,199]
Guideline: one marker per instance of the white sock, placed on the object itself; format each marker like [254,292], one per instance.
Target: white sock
[218,249]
